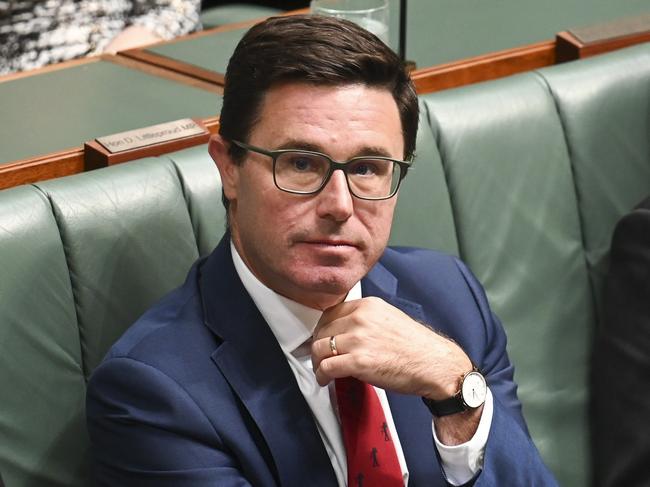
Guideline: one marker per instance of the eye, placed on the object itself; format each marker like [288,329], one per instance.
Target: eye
[302,163]
[367,168]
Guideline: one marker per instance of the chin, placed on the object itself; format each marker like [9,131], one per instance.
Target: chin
[329,284]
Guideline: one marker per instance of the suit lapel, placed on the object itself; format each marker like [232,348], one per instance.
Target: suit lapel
[412,418]
[254,365]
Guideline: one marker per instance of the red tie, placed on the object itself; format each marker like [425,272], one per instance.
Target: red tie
[372,461]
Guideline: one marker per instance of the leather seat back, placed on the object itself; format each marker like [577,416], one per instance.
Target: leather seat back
[510,183]
[82,257]
[604,106]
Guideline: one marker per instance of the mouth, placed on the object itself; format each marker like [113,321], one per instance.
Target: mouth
[330,243]
[329,248]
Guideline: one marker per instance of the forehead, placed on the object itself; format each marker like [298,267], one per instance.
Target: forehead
[334,118]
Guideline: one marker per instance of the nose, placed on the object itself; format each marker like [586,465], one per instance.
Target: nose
[334,200]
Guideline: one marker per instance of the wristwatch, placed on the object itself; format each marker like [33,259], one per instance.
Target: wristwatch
[472,390]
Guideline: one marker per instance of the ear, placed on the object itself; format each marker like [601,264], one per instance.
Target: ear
[228,170]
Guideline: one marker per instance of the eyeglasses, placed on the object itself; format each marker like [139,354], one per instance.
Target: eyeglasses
[307,172]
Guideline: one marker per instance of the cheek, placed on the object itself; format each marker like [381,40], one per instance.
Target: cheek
[377,220]
[269,215]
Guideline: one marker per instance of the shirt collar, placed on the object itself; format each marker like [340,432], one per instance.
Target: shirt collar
[292,323]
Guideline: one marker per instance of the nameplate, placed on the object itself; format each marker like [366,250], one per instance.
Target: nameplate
[627,26]
[155,134]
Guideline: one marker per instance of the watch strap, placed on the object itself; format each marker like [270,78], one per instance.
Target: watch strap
[451,405]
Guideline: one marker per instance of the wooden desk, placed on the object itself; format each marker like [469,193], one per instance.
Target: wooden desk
[50,113]
[452,42]
[202,55]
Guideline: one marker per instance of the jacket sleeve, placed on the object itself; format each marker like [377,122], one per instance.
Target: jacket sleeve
[145,430]
[510,456]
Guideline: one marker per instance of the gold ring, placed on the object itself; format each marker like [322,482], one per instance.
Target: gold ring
[333,346]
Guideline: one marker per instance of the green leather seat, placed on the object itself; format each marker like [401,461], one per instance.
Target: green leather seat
[424,198]
[510,183]
[522,177]
[43,439]
[605,110]
[82,257]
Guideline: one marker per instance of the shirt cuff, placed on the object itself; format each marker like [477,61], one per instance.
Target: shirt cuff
[462,462]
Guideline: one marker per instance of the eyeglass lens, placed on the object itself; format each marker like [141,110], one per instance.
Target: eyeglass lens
[304,172]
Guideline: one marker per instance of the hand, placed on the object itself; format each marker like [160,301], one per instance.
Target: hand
[379,344]
[130,38]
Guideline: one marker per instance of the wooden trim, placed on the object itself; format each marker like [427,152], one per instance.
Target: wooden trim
[223,28]
[486,67]
[64,163]
[161,72]
[212,124]
[570,48]
[201,75]
[49,68]
[144,55]
[140,65]
[92,59]
[80,159]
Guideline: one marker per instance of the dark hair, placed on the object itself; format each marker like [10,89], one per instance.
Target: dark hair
[311,49]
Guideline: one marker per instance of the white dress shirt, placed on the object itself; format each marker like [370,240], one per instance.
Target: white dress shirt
[293,324]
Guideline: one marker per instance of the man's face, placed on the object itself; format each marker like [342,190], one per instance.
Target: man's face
[312,248]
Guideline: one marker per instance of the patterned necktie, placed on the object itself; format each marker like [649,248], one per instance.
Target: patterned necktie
[372,460]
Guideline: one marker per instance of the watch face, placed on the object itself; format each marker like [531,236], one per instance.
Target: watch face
[474,390]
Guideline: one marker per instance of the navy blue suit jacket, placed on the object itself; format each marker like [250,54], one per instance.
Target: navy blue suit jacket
[199,393]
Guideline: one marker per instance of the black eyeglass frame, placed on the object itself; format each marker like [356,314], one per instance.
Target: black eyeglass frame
[334,165]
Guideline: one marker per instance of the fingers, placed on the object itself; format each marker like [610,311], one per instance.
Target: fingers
[336,367]
[343,337]
[332,315]
[321,349]
[329,365]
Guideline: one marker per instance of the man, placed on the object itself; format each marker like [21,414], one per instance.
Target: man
[622,359]
[260,369]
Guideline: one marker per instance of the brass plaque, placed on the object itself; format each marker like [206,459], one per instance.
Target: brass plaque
[163,132]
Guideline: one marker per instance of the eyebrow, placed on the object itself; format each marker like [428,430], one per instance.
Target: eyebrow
[309,146]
